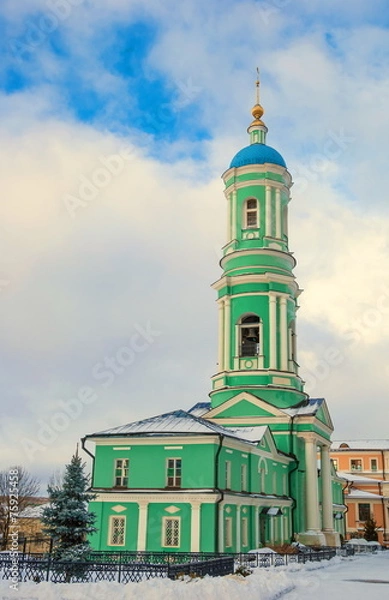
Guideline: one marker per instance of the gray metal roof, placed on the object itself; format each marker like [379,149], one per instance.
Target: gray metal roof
[180,422]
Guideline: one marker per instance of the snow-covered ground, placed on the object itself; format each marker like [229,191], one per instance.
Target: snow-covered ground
[335,579]
[359,578]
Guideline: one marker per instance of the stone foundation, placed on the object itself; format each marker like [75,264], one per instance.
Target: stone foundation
[312,538]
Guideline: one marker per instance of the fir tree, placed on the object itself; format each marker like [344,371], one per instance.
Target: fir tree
[370,532]
[67,519]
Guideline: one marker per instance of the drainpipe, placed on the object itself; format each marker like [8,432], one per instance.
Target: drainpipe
[381,488]
[216,486]
[346,511]
[83,440]
[292,454]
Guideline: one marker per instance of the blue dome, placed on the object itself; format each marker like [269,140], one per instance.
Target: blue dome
[257,154]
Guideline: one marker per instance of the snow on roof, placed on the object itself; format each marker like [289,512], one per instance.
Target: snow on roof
[199,409]
[309,408]
[379,444]
[251,434]
[356,478]
[353,493]
[33,512]
[181,422]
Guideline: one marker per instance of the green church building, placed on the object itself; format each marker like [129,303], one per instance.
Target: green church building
[251,467]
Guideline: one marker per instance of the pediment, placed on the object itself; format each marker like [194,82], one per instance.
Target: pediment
[244,405]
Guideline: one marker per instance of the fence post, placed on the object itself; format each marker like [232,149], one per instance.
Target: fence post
[48,567]
[120,567]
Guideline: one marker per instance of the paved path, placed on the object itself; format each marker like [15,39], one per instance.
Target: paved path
[365,577]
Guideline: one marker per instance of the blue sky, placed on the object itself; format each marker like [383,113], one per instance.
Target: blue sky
[165,91]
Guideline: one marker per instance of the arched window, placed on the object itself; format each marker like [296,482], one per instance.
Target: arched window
[249,336]
[251,214]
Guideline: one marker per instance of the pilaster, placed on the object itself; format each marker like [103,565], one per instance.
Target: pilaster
[272,331]
[227,333]
[283,334]
[142,525]
[195,527]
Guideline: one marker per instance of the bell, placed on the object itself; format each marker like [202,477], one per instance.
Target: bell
[253,333]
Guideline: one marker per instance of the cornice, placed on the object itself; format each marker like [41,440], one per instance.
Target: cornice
[238,185]
[272,252]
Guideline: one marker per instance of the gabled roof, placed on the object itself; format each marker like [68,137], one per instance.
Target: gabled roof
[379,444]
[180,422]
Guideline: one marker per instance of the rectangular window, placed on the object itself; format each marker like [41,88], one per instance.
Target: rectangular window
[228,532]
[228,475]
[171,532]
[245,532]
[243,478]
[373,464]
[335,463]
[363,512]
[121,472]
[174,472]
[117,531]
[356,464]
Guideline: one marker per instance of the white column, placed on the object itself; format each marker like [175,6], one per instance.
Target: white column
[278,214]
[328,518]
[142,525]
[195,528]
[284,333]
[268,230]
[234,208]
[220,358]
[272,331]
[312,494]
[238,542]
[227,333]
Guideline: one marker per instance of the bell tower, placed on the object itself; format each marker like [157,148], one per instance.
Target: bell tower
[257,291]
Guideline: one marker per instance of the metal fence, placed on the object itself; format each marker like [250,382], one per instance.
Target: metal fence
[123,569]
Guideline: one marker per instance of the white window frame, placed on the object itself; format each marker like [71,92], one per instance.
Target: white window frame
[165,523]
[243,477]
[228,532]
[125,471]
[227,474]
[239,333]
[251,211]
[245,532]
[111,529]
[175,476]
[354,468]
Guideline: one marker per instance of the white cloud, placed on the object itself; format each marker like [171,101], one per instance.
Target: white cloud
[145,246]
